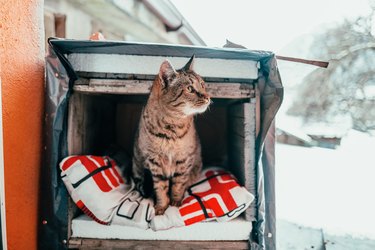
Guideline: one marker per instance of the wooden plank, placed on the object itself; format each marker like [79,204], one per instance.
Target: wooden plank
[209,125]
[84,243]
[81,124]
[76,121]
[120,87]
[230,90]
[149,65]
[89,131]
[60,25]
[70,216]
[127,121]
[121,76]
[321,64]
[242,148]
[142,87]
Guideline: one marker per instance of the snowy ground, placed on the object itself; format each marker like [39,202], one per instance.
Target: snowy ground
[329,189]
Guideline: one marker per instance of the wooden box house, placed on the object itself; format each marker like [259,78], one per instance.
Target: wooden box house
[96,92]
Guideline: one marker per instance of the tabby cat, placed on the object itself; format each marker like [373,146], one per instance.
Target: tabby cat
[167,151]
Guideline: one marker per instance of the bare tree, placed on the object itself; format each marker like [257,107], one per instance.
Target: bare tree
[344,88]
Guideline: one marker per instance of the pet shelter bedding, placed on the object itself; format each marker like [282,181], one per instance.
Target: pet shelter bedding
[98,188]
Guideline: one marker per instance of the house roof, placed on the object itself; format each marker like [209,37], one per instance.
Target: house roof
[173,19]
[122,16]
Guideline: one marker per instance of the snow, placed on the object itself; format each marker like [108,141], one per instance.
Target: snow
[335,128]
[329,189]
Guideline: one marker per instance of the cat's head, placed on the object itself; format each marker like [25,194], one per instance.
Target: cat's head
[182,90]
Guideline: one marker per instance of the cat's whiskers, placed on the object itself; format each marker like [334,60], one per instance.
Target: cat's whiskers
[209,104]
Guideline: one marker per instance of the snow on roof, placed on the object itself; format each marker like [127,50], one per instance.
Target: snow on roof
[338,127]
[292,125]
[326,129]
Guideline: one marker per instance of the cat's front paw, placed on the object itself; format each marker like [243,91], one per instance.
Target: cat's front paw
[159,210]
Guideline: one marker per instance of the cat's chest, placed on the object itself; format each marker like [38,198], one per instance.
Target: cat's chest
[173,149]
[172,161]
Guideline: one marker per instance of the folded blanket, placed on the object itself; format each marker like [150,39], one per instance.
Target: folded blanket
[98,188]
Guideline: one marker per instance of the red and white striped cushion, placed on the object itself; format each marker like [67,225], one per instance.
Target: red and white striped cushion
[97,187]
[216,195]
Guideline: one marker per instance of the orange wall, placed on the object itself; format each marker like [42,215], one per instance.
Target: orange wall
[22,75]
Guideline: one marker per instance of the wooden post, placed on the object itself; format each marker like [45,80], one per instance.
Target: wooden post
[321,64]
[22,75]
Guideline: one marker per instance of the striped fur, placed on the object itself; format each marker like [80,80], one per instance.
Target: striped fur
[167,151]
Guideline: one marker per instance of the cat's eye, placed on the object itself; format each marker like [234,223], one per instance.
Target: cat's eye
[190,89]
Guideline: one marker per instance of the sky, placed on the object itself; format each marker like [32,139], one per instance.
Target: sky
[285,27]
[264,24]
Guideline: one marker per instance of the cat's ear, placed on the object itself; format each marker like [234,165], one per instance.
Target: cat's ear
[189,65]
[166,73]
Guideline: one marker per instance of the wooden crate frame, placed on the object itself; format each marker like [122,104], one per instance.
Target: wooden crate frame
[242,117]
[82,243]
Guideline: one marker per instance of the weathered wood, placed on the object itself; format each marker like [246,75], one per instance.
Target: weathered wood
[124,76]
[81,127]
[230,90]
[120,87]
[241,132]
[257,111]
[142,87]
[91,115]
[76,121]
[321,64]
[82,243]
[121,76]
[212,131]
[71,211]
[60,25]
[127,121]
[89,131]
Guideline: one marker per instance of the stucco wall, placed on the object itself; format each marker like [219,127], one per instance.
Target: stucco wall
[131,21]
[22,75]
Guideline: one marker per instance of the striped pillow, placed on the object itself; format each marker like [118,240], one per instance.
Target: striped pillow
[95,185]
